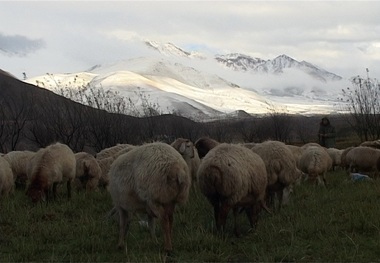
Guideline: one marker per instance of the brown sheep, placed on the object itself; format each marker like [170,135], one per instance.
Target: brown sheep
[281,168]
[49,167]
[88,171]
[233,177]
[364,159]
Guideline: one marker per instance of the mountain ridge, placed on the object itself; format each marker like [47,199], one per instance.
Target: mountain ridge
[211,87]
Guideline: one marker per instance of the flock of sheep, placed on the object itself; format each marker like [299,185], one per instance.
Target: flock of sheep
[154,177]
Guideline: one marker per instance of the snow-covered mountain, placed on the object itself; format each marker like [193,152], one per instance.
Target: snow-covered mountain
[240,62]
[203,87]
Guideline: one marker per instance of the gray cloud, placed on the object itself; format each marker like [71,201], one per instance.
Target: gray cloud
[18,45]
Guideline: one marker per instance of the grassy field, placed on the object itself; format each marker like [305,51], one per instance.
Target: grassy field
[337,223]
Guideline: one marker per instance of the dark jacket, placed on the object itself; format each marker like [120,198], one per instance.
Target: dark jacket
[326,134]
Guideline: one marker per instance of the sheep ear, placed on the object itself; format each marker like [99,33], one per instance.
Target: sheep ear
[182,148]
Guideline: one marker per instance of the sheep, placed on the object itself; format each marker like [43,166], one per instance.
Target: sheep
[364,159]
[373,144]
[19,161]
[88,171]
[306,145]
[50,166]
[110,151]
[336,157]
[6,178]
[204,145]
[125,149]
[296,151]
[233,177]
[315,162]
[343,162]
[151,179]
[105,165]
[187,149]
[281,168]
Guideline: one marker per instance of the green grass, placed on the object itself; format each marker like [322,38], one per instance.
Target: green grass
[337,223]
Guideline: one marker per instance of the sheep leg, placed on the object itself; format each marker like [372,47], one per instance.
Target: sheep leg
[215,202]
[253,214]
[222,217]
[236,229]
[152,227]
[123,227]
[167,225]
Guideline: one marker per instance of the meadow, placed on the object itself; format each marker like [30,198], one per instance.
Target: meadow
[338,223]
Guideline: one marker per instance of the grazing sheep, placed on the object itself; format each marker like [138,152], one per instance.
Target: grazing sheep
[315,162]
[6,178]
[364,159]
[19,161]
[296,151]
[233,177]
[150,179]
[50,166]
[204,145]
[343,162]
[105,165]
[336,157]
[187,149]
[281,168]
[107,152]
[88,171]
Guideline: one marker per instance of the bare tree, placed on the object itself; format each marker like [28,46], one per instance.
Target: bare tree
[362,101]
[281,123]
[15,113]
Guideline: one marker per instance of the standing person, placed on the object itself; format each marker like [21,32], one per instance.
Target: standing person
[326,133]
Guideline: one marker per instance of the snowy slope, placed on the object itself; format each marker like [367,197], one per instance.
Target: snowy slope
[201,87]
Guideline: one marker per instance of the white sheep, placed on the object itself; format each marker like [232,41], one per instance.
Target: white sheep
[296,151]
[364,159]
[233,177]
[50,166]
[152,179]
[111,151]
[188,151]
[19,161]
[336,157]
[6,178]
[315,162]
[88,171]
[281,168]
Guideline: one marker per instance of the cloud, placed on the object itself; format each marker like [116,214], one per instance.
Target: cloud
[18,45]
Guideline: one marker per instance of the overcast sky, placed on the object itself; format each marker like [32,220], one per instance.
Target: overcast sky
[66,36]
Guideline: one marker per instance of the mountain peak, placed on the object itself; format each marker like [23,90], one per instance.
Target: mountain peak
[170,49]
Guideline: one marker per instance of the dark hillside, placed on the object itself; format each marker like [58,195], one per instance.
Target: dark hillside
[32,117]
